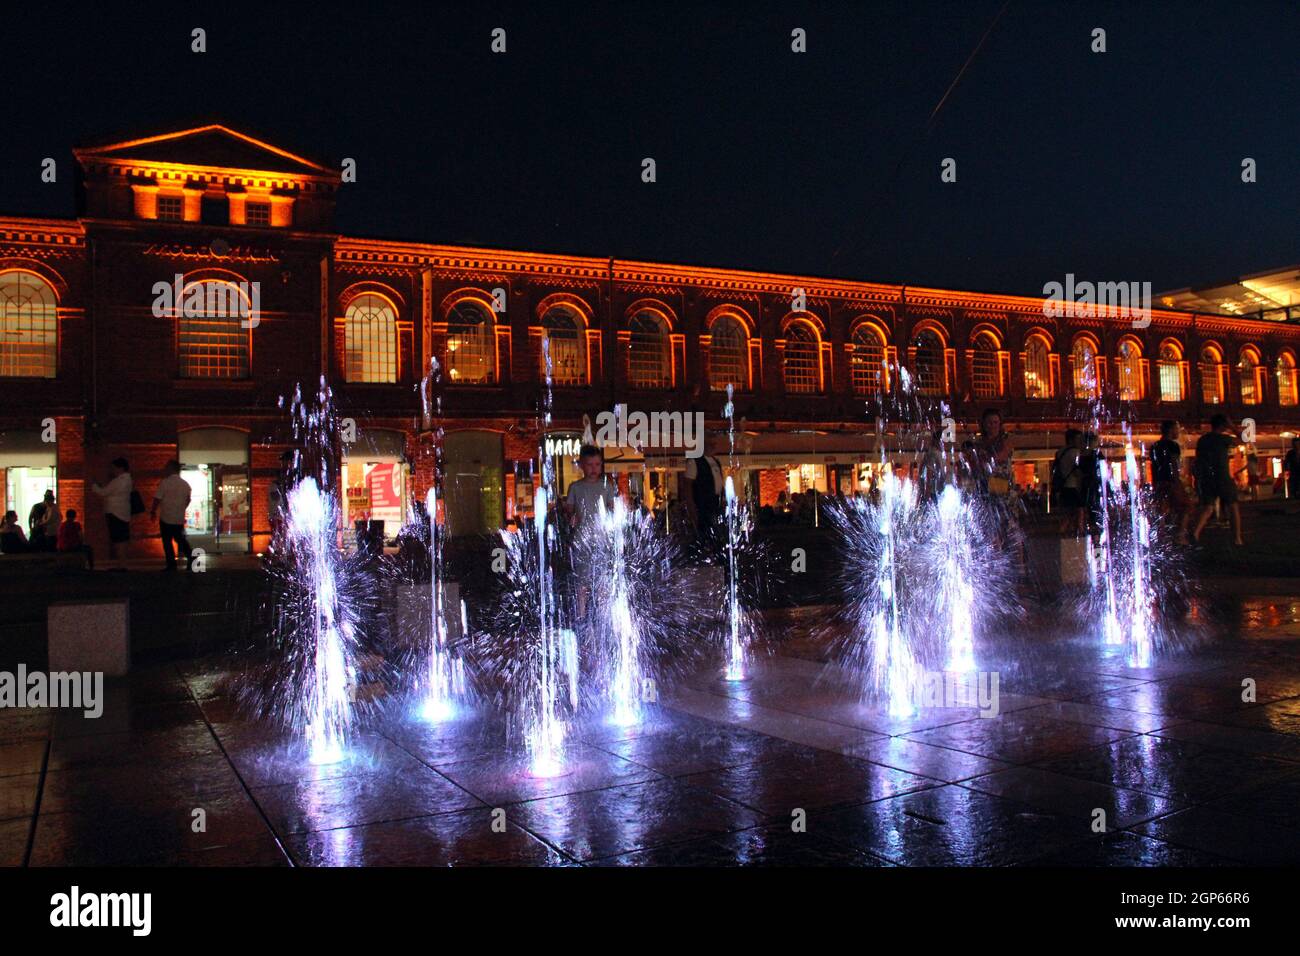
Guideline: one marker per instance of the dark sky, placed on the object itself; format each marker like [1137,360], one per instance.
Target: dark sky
[1117,166]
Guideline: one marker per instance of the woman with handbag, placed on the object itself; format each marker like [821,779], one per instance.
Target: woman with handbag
[120,499]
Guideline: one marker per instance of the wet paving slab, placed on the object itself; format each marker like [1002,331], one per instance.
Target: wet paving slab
[1194,761]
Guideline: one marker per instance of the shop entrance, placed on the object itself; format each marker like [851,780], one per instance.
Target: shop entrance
[28,469]
[214,461]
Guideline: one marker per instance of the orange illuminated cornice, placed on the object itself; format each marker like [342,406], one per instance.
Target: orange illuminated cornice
[99,153]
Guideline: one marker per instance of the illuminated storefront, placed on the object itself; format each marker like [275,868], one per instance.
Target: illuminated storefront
[214,461]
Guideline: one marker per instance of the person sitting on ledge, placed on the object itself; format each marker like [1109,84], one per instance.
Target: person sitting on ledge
[70,539]
[12,539]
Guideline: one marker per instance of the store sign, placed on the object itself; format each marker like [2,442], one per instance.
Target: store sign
[563,446]
[384,483]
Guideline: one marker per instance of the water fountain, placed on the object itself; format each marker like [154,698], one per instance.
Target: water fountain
[737,623]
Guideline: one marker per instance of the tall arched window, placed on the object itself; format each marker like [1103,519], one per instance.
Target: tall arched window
[1083,358]
[1170,367]
[867,369]
[985,369]
[649,359]
[802,358]
[929,372]
[1287,392]
[370,340]
[471,345]
[212,331]
[1130,371]
[29,326]
[728,354]
[1211,375]
[564,338]
[1252,376]
[1038,369]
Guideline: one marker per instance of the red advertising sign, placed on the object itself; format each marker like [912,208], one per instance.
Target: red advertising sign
[385,486]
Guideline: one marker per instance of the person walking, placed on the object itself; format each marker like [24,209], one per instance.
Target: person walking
[1167,478]
[1214,478]
[1068,482]
[117,497]
[169,504]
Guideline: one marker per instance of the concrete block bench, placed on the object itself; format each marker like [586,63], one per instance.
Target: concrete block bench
[90,636]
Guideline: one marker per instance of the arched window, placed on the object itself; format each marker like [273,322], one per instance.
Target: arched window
[802,358]
[1211,375]
[1252,376]
[212,331]
[1170,368]
[1287,392]
[867,369]
[471,346]
[1130,371]
[370,340]
[985,369]
[649,359]
[929,373]
[29,326]
[1038,369]
[728,354]
[1083,358]
[564,338]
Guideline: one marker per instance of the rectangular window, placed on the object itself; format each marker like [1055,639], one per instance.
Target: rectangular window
[171,208]
[257,213]
[212,346]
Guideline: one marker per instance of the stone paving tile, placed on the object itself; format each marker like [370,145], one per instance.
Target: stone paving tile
[761,846]
[1245,739]
[656,719]
[1076,712]
[926,760]
[447,743]
[26,724]
[1276,802]
[152,834]
[1242,839]
[110,790]
[603,823]
[809,731]
[18,795]
[187,740]
[1175,700]
[325,804]
[1282,717]
[127,719]
[1185,772]
[674,753]
[22,757]
[13,840]
[1122,848]
[1018,738]
[807,780]
[464,838]
[264,764]
[1073,798]
[949,826]
[506,778]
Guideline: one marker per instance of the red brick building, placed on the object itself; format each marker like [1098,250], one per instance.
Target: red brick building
[92,367]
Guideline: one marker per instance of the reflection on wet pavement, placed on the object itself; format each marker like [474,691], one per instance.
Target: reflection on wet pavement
[1193,761]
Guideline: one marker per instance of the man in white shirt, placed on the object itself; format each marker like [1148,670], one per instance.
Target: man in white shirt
[169,504]
[117,508]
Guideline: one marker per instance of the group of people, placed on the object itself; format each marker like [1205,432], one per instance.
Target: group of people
[1076,480]
[51,529]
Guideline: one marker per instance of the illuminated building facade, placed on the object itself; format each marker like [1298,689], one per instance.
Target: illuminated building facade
[92,368]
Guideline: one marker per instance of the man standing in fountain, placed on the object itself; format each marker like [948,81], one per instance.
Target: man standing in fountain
[1214,476]
[1167,477]
[581,505]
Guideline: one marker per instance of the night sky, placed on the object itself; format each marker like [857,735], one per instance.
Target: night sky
[1117,166]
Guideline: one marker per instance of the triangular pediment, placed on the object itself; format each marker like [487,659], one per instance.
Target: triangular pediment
[207,146]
